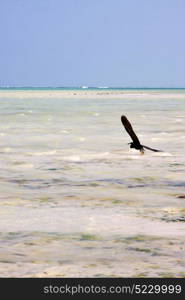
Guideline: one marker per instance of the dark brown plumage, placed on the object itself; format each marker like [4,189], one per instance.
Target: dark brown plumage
[136,143]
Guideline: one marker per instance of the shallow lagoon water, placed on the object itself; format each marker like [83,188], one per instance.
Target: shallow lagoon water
[76,201]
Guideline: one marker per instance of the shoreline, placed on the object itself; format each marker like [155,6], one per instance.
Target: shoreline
[106,93]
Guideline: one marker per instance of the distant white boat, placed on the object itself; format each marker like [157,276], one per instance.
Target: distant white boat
[84,87]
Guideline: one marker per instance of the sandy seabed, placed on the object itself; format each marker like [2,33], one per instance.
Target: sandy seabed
[75,200]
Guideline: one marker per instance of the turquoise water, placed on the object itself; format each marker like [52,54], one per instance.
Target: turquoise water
[76,200]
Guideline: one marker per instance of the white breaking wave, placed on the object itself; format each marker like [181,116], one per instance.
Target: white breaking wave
[108,156]
[42,153]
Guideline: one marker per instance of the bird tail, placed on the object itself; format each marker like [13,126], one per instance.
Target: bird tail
[155,150]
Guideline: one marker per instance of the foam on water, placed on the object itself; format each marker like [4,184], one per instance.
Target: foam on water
[107,221]
[44,153]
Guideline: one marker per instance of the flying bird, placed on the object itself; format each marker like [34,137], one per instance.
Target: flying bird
[136,143]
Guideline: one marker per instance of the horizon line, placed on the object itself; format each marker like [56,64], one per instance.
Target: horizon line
[91,87]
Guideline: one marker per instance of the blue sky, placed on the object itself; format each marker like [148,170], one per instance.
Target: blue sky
[125,43]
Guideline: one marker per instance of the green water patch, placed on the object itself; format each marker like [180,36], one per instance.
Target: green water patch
[146,250]
[166,275]
[144,179]
[13,236]
[176,164]
[173,214]
[94,184]
[111,200]
[44,199]
[5,261]
[137,186]
[117,202]
[107,202]
[88,237]
[142,275]
[138,238]
[175,219]
[35,238]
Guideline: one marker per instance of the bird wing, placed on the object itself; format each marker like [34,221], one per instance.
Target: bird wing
[155,150]
[129,129]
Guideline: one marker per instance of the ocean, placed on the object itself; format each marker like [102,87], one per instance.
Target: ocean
[75,200]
